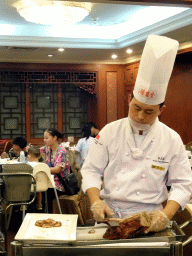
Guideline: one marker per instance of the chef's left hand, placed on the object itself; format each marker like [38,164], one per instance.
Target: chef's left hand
[159,221]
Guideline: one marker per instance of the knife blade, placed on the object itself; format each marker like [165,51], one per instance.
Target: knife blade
[112,222]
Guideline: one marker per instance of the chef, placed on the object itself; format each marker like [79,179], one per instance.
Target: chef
[135,159]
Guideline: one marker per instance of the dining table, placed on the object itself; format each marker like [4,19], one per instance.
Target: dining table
[8,161]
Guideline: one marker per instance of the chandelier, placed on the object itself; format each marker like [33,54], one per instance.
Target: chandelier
[48,12]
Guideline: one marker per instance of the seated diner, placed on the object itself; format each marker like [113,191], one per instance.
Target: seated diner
[56,159]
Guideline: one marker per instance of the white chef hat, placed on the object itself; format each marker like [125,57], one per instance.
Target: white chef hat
[155,69]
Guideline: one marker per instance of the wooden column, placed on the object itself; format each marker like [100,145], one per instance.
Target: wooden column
[59,108]
[27,113]
[111,96]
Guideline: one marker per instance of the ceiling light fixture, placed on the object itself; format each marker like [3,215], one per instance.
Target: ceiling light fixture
[48,12]
[129,51]
[50,55]
[114,56]
[61,49]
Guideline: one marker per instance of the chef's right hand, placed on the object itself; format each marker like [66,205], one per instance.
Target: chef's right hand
[100,210]
[159,221]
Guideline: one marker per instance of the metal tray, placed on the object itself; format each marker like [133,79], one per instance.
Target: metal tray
[84,238]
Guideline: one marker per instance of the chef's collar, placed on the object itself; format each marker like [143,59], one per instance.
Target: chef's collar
[137,128]
[140,132]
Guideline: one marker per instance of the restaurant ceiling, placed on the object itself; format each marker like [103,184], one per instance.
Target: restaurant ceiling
[111,28]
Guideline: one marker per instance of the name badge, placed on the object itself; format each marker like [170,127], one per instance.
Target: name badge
[158,167]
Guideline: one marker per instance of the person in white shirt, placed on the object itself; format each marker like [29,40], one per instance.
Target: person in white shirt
[136,158]
[83,144]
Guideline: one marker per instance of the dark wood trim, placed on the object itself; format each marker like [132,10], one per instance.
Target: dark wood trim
[27,67]
[151,2]
[27,113]
[185,50]
[59,109]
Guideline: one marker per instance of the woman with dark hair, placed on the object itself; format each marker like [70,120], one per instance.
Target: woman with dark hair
[84,143]
[56,159]
[94,130]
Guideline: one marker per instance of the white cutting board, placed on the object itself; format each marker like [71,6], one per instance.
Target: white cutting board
[84,235]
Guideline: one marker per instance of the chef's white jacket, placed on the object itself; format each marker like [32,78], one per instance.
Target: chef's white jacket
[138,181]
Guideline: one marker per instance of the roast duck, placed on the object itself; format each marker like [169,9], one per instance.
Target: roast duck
[128,227]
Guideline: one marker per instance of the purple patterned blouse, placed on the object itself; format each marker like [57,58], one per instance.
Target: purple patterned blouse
[59,159]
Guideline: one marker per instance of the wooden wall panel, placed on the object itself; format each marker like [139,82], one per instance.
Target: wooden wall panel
[101,92]
[178,111]
[101,95]
[120,93]
[111,78]
[131,71]
[92,109]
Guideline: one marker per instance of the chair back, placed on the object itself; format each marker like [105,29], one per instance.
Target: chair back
[17,188]
[42,175]
[7,147]
[73,160]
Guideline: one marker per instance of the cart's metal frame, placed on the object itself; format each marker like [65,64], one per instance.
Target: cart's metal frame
[161,249]
[131,247]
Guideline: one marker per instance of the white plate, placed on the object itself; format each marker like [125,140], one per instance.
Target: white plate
[28,232]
